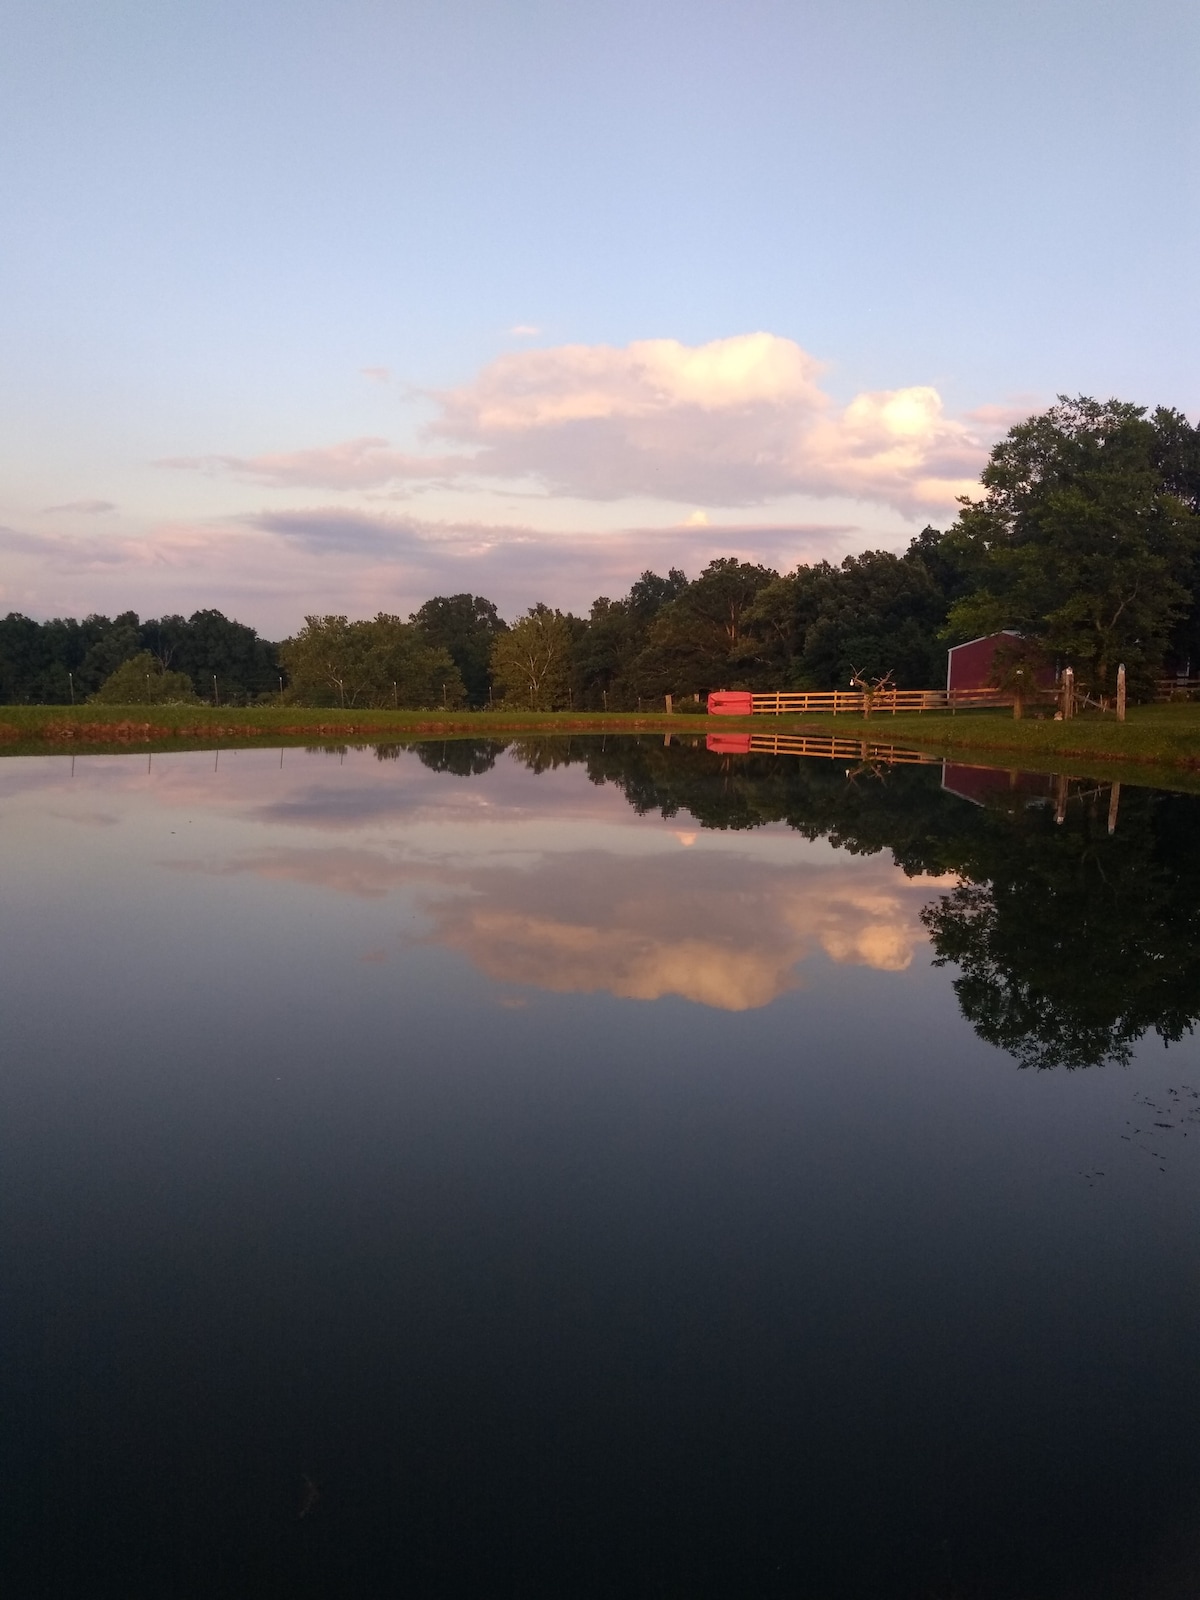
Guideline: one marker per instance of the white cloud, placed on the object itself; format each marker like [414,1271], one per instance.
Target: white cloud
[738,421]
[377,374]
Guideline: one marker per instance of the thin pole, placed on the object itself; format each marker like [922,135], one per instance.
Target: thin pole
[1120,696]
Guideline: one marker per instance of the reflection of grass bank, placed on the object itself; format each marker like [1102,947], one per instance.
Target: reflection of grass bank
[1157,743]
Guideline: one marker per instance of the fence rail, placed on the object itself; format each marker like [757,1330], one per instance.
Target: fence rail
[853,702]
[1176,688]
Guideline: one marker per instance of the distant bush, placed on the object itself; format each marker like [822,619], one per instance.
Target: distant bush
[141,681]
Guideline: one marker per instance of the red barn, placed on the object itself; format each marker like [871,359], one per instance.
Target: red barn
[969,665]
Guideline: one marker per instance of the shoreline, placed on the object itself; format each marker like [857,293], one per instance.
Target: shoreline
[1165,738]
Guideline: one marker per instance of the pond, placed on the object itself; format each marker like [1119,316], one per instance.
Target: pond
[599,1168]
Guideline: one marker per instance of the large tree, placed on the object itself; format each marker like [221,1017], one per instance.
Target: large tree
[693,643]
[466,626]
[531,662]
[1082,540]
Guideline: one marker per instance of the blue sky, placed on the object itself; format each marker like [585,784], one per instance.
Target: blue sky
[318,307]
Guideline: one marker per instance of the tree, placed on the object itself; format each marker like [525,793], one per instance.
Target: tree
[1081,542]
[141,681]
[384,662]
[608,645]
[466,626]
[207,646]
[693,642]
[531,663]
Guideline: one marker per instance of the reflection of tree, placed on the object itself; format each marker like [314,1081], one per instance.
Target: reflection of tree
[1072,945]
[465,758]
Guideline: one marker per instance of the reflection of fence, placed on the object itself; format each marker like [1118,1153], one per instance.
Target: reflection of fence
[784,744]
[850,702]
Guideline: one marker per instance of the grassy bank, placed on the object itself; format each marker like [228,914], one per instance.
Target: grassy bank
[1164,738]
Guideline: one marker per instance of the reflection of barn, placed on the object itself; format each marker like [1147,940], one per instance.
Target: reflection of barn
[969,665]
[994,786]
[981,784]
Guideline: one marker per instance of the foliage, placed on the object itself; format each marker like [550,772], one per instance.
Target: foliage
[1080,542]
[52,663]
[531,662]
[332,661]
[224,659]
[693,643]
[875,613]
[466,626]
[142,681]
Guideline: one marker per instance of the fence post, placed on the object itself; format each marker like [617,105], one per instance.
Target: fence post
[668,700]
[1121,693]
[1068,693]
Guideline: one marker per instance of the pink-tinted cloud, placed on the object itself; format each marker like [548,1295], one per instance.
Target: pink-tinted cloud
[271,568]
[365,463]
[738,421]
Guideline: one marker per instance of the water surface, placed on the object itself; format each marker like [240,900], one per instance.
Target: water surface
[595,1170]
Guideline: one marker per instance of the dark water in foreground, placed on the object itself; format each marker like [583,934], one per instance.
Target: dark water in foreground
[577,1178]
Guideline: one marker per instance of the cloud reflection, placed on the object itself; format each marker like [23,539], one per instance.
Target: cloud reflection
[713,927]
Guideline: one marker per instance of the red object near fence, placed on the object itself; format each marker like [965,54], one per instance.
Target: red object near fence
[730,703]
[729,744]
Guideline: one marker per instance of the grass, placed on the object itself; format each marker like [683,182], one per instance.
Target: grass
[1155,740]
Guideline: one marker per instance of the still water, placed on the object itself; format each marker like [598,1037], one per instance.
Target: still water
[595,1170]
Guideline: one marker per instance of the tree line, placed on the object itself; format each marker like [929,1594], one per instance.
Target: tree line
[1084,540]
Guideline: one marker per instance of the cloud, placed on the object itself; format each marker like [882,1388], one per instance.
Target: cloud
[524,330]
[515,564]
[272,567]
[88,507]
[377,374]
[736,422]
[364,463]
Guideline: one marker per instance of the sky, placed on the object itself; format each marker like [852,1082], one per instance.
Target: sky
[317,307]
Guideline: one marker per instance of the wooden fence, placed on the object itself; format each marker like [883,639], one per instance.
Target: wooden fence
[1176,688]
[854,703]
